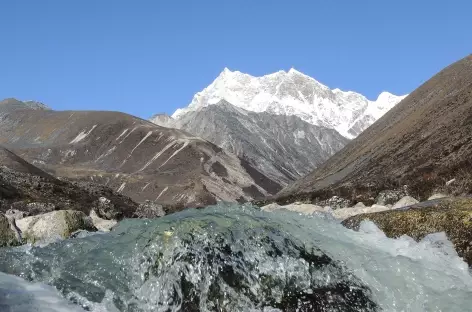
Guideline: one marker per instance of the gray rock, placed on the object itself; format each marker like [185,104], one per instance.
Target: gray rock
[359,205]
[404,202]
[283,148]
[15,214]
[344,213]
[271,207]
[106,208]
[149,210]
[391,196]
[53,225]
[437,196]
[336,202]
[9,234]
[102,224]
[296,207]
[38,208]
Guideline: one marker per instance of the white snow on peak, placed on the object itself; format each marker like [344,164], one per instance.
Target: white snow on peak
[294,93]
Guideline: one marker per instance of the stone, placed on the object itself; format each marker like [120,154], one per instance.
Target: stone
[54,225]
[450,215]
[9,234]
[437,196]
[15,214]
[359,205]
[271,207]
[391,196]
[295,207]
[336,202]
[149,210]
[344,213]
[106,209]
[303,208]
[404,202]
[102,224]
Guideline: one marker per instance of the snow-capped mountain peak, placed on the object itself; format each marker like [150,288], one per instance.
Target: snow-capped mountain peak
[294,93]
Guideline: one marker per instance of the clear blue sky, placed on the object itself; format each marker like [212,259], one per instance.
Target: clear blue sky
[144,57]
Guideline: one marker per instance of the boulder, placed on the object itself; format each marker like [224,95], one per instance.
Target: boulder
[53,225]
[344,213]
[336,202]
[149,210]
[359,205]
[106,208]
[271,207]
[296,207]
[15,214]
[102,224]
[404,202]
[391,196]
[450,215]
[437,196]
[303,208]
[9,234]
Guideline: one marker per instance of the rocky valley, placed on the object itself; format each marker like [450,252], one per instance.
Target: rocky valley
[258,165]
[129,155]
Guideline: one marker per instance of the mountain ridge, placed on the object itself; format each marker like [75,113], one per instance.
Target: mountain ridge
[423,142]
[282,147]
[129,154]
[294,93]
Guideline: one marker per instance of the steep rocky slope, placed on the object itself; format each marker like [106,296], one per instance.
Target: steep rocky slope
[282,147]
[423,142]
[27,188]
[132,156]
[294,93]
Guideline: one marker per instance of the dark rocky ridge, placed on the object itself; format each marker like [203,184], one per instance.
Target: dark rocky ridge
[27,188]
[128,154]
[422,142]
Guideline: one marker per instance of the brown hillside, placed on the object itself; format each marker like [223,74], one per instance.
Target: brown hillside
[422,142]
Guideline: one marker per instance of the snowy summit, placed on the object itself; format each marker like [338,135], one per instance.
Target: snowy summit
[294,93]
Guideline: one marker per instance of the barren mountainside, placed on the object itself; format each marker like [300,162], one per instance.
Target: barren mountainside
[130,155]
[282,147]
[29,189]
[422,142]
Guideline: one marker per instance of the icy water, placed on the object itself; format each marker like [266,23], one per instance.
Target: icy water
[236,258]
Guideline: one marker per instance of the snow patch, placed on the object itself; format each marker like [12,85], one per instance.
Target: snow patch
[121,188]
[82,135]
[123,133]
[162,192]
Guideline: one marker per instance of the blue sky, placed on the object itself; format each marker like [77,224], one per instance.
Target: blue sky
[144,57]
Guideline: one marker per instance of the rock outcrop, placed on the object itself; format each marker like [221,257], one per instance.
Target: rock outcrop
[31,191]
[9,236]
[450,215]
